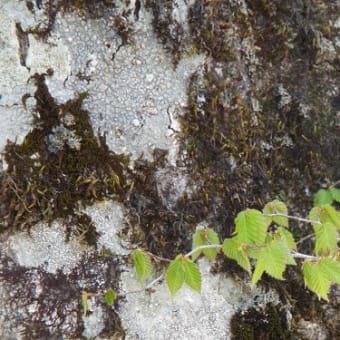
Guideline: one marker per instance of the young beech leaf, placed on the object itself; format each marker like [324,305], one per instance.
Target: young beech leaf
[325,239]
[315,215]
[315,279]
[234,250]
[198,240]
[85,302]
[212,238]
[251,227]
[192,275]
[142,263]
[277,207]
[175,275]
[322,197]
[287,237]
[183,270]
[272,259]
[110,296]
[331,269]
[335,192]
[330,215]
[202,237]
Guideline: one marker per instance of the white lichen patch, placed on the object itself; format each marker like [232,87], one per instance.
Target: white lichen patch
[93,322]
[60,137]
[108,218]
[42,56]
[131,86]
[45,247]
[187,315]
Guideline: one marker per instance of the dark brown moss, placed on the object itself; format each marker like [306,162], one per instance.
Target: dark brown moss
[59,299]
[168,30]
[48,176]
[266,324]
[162,231]
[210,23]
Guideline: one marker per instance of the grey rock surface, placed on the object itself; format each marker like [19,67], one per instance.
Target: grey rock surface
[146,67]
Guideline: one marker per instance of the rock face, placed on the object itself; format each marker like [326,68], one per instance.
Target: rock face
[126,124]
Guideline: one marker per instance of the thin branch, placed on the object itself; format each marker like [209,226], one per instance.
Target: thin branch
[304,256]
[334,184]
[208,246]
[293,218]
[156,257]
[305,238]
[160,277]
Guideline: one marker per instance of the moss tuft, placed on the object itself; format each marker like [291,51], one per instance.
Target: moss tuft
[60,166]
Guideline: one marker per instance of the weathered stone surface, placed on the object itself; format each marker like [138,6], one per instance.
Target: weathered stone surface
[243,96]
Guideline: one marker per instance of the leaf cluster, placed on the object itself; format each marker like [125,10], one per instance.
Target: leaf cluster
[262,243]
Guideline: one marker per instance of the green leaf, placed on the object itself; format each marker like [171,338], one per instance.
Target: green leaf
[110,296]
[212,238]
[330,269]
[272,259]
[175,275]
[325,239]
[197,241]
[330,215]
[142,263]
[192,275]
[85,302]
[288,237]
[183,270]
[277,207]
[251,226]
[315,279]
[335,193]
[235,251]
[325,214]
[315,215]
[322,197]
[204,237]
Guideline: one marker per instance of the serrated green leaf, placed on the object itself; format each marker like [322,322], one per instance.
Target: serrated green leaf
[315,279]
[277,207]
[325,239]
[288,237]
[85,302]
[202,237]
[335,192]
[272,259]
[330,215]
[251,226]
[322,197]
[233,249]
[197,241]
[192,275]
[258,271]
[110,296]
[212,238]
[315,215]
[143,266]
[175,275]
[331,269]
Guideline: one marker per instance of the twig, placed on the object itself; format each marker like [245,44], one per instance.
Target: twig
[208,246]
[305,238]
[294,218]
[304,256]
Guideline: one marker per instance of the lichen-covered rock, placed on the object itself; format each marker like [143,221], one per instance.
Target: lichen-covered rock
[244,98]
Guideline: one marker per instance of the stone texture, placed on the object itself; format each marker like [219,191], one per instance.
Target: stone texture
[175,75]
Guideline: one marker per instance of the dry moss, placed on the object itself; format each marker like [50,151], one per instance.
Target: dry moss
[266,324]
[60,166]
